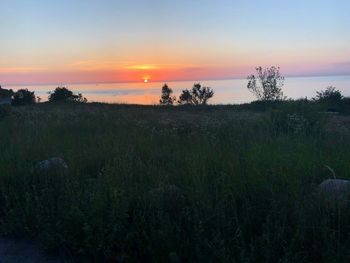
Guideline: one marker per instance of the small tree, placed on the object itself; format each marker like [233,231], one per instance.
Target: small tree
[23,97]
[61,94]
[201,95]
[197,96]
[167,98]
[267,85]
[330,95]
[6,93]
[185,98]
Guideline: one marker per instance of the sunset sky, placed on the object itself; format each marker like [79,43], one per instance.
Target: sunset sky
[78,41]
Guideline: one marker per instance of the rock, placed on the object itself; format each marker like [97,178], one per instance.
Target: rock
[335,190]
[55,163]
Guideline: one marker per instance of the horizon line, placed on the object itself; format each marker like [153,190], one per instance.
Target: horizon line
[167,81]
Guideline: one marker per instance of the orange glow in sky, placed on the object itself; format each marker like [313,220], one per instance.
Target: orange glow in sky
[164,41]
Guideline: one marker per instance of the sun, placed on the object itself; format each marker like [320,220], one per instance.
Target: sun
[146,78]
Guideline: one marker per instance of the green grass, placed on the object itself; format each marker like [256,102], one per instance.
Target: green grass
[175,184]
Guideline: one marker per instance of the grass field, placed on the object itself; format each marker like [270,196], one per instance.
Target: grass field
[175,184]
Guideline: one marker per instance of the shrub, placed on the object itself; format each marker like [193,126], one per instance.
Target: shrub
[267,85]
[185,98]
[197,96]
[330,95]
[23,97]
[61,94]
[6,93]
[167,98]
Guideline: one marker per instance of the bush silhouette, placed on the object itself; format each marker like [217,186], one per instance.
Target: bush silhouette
[267,84]
[330,95]
[198,95]
[6,93]
[23,97]
[185,98]
[166,97]
[62,94]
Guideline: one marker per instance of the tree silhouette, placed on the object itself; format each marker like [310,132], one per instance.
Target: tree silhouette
[185,98]
[23,97]
[167,98]
[198,95]
[267,85]
[6,93]
[62,94]
[330,95]
[201,95]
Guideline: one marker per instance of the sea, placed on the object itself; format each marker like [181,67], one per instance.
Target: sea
[229,91]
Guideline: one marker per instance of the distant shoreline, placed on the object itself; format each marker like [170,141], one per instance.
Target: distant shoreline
[163,81]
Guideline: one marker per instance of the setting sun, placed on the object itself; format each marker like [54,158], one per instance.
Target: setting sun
[146,78]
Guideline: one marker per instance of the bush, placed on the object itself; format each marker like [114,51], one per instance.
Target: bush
[271,83]
[62,94]
[167,98]
[330,95]
[185,98]
[6,93]
[23,97]
[197,96]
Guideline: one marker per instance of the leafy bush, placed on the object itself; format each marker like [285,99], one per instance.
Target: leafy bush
[185,98]
[6,93]
[267,85]
[167,98]
[23,97]
[197,96]
[61,94]
[330,95]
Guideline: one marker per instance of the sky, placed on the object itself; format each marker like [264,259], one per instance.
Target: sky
[96,41]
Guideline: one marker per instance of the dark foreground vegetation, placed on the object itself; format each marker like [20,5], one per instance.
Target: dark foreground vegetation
[176,184]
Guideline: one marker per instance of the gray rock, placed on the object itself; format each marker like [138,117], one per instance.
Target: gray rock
[335,189]
[55,163]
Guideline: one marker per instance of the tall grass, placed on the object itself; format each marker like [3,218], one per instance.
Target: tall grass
[177,184]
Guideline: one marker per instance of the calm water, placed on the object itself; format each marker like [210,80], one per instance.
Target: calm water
[226,91]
